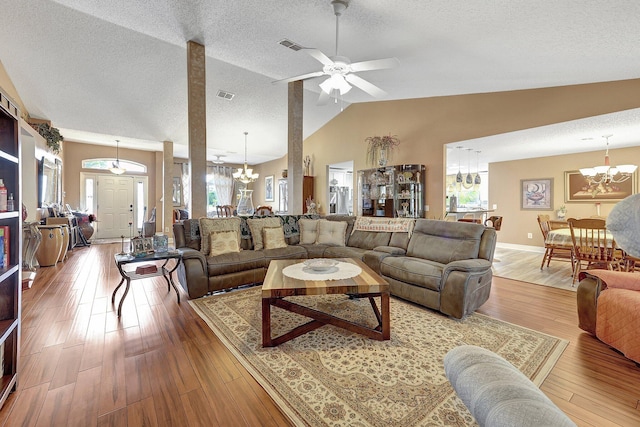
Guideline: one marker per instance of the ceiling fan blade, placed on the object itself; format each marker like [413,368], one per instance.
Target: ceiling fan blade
[324,59]
[361,83]
[301,77]
[324,98]
[375,64]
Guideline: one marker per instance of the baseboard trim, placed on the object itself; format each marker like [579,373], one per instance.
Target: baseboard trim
[527,248]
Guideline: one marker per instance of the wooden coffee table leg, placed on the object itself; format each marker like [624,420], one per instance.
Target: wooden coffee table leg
[386,321]
[266,322]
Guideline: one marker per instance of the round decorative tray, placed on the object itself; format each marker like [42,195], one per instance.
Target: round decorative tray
[320,264]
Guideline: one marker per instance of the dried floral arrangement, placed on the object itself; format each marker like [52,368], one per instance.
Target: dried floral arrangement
[380,144]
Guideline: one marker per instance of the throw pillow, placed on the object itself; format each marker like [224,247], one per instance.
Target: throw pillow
[273,238]
[308,231]
[257,224]
[331,232]
[223,242]
[209,225]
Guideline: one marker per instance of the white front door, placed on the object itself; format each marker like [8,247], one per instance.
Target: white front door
[115,202]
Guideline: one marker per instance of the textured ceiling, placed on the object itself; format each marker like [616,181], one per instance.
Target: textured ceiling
[117,70]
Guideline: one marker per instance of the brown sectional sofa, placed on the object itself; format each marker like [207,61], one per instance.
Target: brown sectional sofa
[443,265]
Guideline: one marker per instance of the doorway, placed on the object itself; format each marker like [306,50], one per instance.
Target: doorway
[340,176]
[118,201]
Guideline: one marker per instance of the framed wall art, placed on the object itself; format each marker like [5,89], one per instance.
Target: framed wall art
[536,194]
[578,189]
[268,188]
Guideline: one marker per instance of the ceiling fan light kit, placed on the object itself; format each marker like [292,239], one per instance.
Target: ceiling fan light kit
[340,70]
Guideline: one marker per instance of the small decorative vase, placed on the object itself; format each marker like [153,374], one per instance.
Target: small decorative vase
[245,205]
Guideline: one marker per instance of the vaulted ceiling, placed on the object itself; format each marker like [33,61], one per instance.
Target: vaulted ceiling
[106,70]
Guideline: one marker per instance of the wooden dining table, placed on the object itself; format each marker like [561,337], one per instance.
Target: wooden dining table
[562,237]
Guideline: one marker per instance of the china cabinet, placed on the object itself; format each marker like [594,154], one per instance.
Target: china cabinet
[392,191]
[11,226]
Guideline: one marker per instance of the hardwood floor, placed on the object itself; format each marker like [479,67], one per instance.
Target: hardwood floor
[161,365]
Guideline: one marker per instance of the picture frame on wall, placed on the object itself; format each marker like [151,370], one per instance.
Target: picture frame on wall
[536,194]
[268,188]
[578,189]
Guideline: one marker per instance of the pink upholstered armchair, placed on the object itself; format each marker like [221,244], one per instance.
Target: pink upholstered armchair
[608,307]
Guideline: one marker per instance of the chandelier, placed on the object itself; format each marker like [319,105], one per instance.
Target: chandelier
[605,174]
[115,166]
[245,175]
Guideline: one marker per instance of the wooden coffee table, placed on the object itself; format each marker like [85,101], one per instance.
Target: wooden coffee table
[367,284]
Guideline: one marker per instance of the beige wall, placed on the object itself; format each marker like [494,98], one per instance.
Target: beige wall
[274,168]
[425,125]
[75,152]
[504,190]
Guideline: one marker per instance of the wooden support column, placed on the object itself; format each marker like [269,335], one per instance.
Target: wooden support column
[197,101]
[294,161]
[167,188]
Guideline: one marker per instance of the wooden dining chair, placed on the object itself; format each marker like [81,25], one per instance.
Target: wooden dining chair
[593,245]
[494,221]
[553,250]
[264,210]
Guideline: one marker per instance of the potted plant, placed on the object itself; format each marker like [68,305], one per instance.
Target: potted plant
[51,135]
[380,149]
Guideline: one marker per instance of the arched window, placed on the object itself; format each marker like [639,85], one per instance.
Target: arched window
[105,164]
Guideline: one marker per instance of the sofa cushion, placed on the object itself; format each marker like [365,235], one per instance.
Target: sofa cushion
[308,230]
[257,224]
[273,238]
[223,242]
[444,241]
[288,252]
[315,250]
[343,252]
[416,271]
[331,233]
[192,233]
[368,239]
[209,225]
[235,262]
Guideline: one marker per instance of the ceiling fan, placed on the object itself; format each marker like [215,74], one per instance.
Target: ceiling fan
[218,160]
[340,69]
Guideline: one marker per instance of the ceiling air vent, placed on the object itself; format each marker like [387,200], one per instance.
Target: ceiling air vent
[225,95]
[291,45]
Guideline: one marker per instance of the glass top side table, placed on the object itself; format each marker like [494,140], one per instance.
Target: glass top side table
[133,274]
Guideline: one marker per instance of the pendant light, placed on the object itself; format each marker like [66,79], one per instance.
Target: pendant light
[459,174]
[468,179]
[477,181]
[245,175]
[115,166]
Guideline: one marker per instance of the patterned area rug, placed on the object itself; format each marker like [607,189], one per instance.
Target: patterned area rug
[332,377]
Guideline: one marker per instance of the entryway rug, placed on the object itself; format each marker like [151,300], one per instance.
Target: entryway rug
[332,377]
